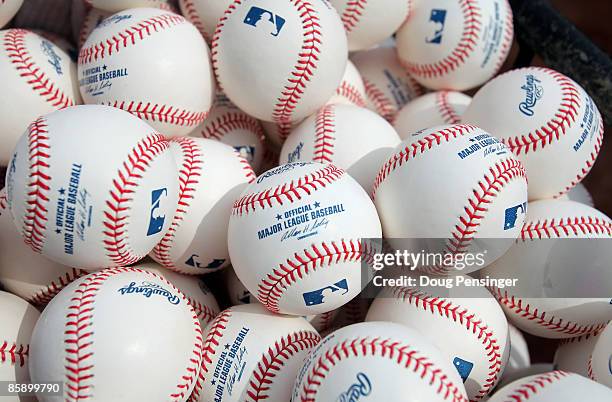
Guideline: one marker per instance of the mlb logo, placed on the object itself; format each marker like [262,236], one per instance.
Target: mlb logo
[319,296]
[464,367]
[256,14]
[156,219]
[512,215]
[438,17]
[194,261]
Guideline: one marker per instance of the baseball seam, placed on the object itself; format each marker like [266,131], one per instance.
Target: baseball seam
[402,355]
[564,227]
[161,113]
[204,313]
[271,362]
[466,319]
[189,10]
[228,122]
[118,204]
[290,192]
[352,14]
[247,170]
[272,288]
[44,296]
[383,106]
[13,353]
[17,52]
[325,128]
[531,388]
[351,93]
[449,115]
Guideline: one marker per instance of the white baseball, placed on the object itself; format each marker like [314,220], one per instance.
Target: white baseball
[388,86]
[463,182]
[519,358]
[231,126]
[279,60]
[547,120]
[136,60]
[18,320]
[353,138]
[96,200]
[37,78]
[114,6]
[8,9]
[118,329]
[580,194]
[297,238]
[588,355]
[455,44]
[465,323]
[204,14]
[377,361]
[554,274]
[251,354]
[367,23]
[211,176]
[511,376]
[557,386]
[430,110]
[25,273]
[196,292]
[351,90]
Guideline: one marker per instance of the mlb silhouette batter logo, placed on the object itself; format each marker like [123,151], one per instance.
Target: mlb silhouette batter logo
[464,367]
[319,296]
[194,261]
[256,14]
[512,215]
[438,17]
[156,219]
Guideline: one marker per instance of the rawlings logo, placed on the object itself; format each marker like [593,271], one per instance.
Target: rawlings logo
[363,387]
[533,93]
[52,57]
[156,219]
[149,289]
[281,169]
[438,17]
[256,14]
[296,154]
[114,19]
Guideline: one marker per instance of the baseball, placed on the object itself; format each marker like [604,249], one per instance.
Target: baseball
[231,126]
[131,61]
[24,273]
[8,9]
[118,329]
[352,138]
[588,355]
[368,23]
[547,120]
[388,86]
[252,354]
[580,194]
[91,19]
[37,78]
[466,324]
[298,236]
[279,60]
[196,292]
[469,194]
[351,90]
[430,110]
[277,133]
[18,320]
[204,14]
[519,358]
[114,6]
[455,45]
[557,386]
[211,176]
[96,200]
[560,293]
[380,361]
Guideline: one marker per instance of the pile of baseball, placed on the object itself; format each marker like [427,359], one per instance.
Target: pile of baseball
[269,142]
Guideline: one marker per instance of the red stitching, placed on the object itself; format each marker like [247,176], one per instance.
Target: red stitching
[471,31]
[274,358]
[204,313]
[421,146]
[317,256]
[86,27]
[35,217]
[129,36]
[446,110]
[162,113]
[470,321]
[537,384]
[247,170]
[521,308]
[209,349]
[352,14]
[305,65]
[44,296]
[351,93]
[20,58]
[383,106]
[324,320]
[564,227]
[325,128]
[115,223]
[3,201]
[403,355]
[557,126]
[13,353]
[290,192]
[590,368]
[228,122]
[189,10]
